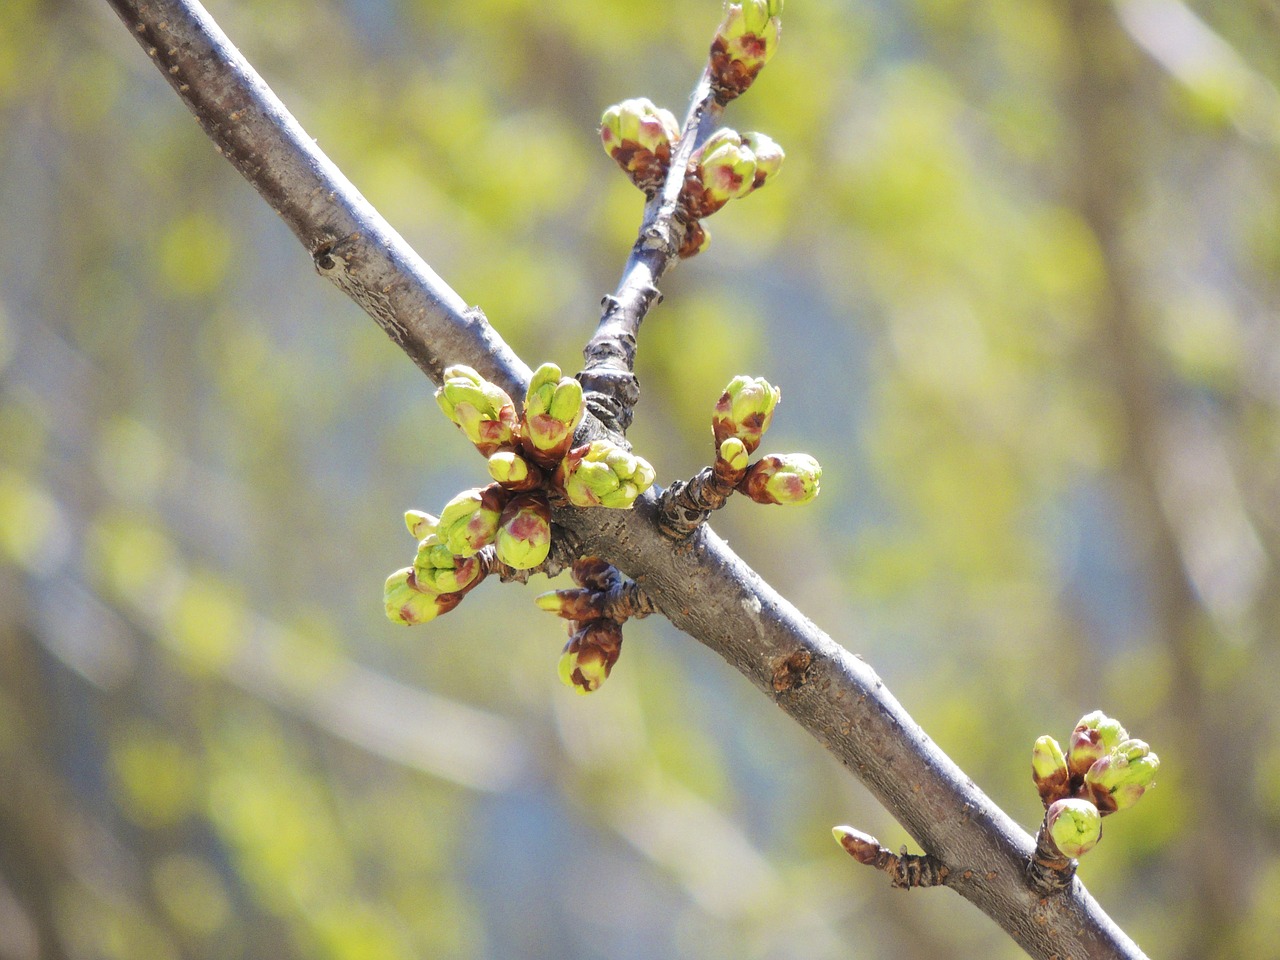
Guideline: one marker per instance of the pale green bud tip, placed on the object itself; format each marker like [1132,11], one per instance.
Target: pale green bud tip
[751,30]
[734,452]
[861,846]
[1119,779]
[1047,759]
[421,525]
[404,603]
[768,154]
[437,570]
[745,410]
[639,121]
[789,478]
[1093,737]
[606,475]
[583,670]
[550,602]
[727,166]
[552,411]
[470,520]
[508,467]
[524,538]
[1075,826]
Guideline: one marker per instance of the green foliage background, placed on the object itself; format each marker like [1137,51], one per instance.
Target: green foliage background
[1018,282]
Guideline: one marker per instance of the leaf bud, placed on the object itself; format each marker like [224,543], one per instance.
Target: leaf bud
[437,570]
[1094,736]
[639,135]
[745,41]
[590,654]
[421,525]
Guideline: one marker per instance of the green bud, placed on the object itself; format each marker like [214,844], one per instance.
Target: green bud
[1094,736]
[1049,770]
[1075,826]
[437,570]
[470,520]
[734,453]
[861,846]
[744,411]
[768,154]
[590,654]
[726,169]
[1118,780]
[552,411]
[513,471]
[420,524]
[550,602]
[405,603]
[602,474]
[786,478]
[524,537]
[481,409]
[639,136]
[746,40]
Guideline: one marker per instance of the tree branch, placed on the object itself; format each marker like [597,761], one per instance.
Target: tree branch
[700,585]
[609,379]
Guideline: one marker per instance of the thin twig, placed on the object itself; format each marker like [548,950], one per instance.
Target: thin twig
[701,585]
[905,870]
[608,378]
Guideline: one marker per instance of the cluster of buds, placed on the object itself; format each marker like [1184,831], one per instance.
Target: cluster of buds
[533,463]
[746,40]
[595,630]
[742,415]
[1102,771]
[640,137]
[727,167]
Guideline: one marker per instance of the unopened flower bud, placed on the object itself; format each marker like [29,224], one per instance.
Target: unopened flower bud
[513,471]
[861,846]
[437,570]
[481,409]
[1049,770]
[726,170]
[744,411]
[602,474]
[552,411]
[405,603]
[421,525]
[784,478]
[470,520]
[524,534]
[590,654]
[1094,736]
[734,453]
[639,136]
[744,43]
[768,154]
[1118,780]
[1075,826]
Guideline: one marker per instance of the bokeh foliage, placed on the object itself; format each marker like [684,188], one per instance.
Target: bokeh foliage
[1018,285]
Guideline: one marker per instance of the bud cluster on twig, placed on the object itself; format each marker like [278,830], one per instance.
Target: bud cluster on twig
[643,138]
[603,601]
[1103,771]
[741,416]
[533,463]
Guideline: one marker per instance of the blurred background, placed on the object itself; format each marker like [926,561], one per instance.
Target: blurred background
[1019,283]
